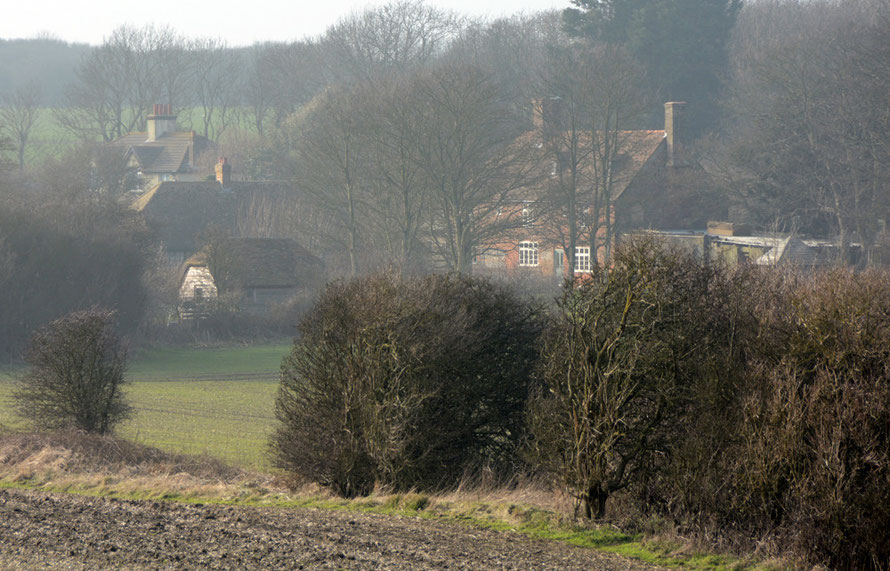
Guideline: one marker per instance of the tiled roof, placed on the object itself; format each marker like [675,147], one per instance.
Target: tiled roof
[635,150]
[638,147]
[167,154]
[179,211]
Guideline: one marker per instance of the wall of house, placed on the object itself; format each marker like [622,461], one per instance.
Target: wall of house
[735,254]
[197,285]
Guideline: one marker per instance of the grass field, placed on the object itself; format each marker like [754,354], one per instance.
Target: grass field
[217,401]
[49,139]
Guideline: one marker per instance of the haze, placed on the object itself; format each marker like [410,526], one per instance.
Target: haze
[268,20]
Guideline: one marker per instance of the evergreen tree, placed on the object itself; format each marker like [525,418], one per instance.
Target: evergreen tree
[681,43]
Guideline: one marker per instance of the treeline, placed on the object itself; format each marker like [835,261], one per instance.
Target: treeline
[66,253]
[787,100]
[749,406]
[44,61]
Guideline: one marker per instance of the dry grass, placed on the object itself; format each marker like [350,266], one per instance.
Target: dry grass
[111,465]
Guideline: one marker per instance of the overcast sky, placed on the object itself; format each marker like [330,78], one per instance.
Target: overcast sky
[240,23]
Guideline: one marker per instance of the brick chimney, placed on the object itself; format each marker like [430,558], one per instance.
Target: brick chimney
[548,116]
[161,121]
[224,172]
[673,129]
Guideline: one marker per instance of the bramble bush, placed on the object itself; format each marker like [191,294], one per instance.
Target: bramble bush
[812,459]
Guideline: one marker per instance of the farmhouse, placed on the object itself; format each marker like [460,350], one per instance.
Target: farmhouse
[183,214]
[652,184]
[258,272]
[162,152]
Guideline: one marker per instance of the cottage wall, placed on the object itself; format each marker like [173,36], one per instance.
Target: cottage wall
[197,285]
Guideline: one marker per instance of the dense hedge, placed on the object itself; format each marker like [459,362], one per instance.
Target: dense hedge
[408,383]
[748,404]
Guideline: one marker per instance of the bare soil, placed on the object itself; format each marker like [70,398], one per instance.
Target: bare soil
[64,531]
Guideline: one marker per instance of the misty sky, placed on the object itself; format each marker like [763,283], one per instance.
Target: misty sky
[240,23]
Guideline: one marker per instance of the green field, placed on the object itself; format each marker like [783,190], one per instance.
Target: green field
[216,401]
[50,140]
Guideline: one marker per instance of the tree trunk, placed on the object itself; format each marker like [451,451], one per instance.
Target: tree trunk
[595,502]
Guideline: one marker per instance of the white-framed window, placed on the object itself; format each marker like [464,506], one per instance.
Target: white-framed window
[528,253]
[582,259]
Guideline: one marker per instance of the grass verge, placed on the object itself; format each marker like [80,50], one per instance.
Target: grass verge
[114,467]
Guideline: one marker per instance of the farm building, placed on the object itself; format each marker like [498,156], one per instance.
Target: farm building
[653,184]
[733,244]
[182,213]
[258,272]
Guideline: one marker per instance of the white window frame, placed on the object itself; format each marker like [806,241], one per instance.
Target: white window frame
[528,254]
[582,260]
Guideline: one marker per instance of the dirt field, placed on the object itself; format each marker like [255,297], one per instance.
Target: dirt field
[61,531]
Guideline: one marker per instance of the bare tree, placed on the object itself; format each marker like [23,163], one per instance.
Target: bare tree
[119,81]
[399,188]
[217,83]
[398,36]
[583,131]
[473,171]
[809,144]
[333,163]
[613,99]
[618,368]
[281,79]
[513,51]
[77,369]
[19,114]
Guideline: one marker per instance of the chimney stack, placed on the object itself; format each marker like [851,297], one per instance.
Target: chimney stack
[673,129]
[224,172]
[161,121]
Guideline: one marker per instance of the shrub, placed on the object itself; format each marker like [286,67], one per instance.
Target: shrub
[77,369]
[623,362]
[813,460]
[795,451]
[405,382]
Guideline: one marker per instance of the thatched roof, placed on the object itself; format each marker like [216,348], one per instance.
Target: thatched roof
[179,212]
[264,262]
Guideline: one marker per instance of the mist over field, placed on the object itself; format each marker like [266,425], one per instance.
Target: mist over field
[630,254]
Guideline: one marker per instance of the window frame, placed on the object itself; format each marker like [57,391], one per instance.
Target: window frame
[529,254]
[582,253]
